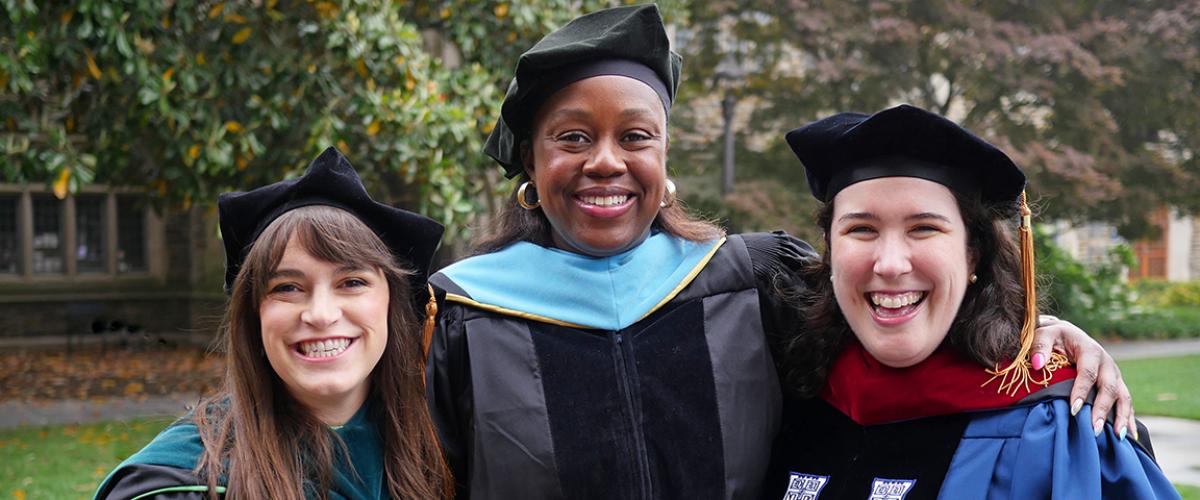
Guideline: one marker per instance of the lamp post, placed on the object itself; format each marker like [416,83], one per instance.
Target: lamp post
[727,76]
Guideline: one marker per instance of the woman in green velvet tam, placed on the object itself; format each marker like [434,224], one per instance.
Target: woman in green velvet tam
[603,343]
[323,392]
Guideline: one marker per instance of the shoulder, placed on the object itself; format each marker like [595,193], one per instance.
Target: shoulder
[148,481]
[778,261]
[778,246]
[778,253]
[164,465]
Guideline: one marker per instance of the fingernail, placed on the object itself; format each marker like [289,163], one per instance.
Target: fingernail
[1098,426]
[1121,434]
[1135,433]
[1076,406]
[1039,360]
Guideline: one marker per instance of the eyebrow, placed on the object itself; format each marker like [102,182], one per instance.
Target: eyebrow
[285,273]
[637,113]
[575,113]
[870,216]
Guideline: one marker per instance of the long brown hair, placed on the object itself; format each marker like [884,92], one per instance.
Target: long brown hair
[512,223]
[986,329]
[258,438]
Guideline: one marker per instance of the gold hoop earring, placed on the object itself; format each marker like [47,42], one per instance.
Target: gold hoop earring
[974,277]
[524,202]
[669,197]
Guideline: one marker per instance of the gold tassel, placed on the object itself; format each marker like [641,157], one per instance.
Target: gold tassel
[430,321]
[1018,375]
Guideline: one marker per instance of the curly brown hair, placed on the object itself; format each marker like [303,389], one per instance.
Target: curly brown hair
[987,328]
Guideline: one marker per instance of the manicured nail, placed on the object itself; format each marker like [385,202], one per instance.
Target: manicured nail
[1098,426]
[1121,434]
[1039,360]
[1076,406]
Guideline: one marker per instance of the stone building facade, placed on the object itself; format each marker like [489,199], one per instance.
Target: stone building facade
[104,259]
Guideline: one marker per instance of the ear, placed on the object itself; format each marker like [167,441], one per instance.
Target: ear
[526,153]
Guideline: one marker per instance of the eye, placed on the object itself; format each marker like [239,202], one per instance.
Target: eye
[924,229]
[636,136]
[860,230]
[284,288]
[355,283]
[572,137]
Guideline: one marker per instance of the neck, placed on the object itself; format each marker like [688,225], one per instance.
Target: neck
[335,409]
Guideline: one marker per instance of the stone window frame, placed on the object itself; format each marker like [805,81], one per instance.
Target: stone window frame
[152,227]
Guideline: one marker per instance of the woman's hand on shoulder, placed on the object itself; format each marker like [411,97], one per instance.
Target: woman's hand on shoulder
[1094,367]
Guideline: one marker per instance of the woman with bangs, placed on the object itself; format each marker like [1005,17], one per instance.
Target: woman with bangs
[323,394]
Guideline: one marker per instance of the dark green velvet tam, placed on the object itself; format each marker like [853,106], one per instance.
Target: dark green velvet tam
[630,41]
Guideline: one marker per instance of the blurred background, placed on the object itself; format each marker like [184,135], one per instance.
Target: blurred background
[121,121]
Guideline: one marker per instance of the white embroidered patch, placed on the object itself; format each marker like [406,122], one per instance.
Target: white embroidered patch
[891,489]
[804,486]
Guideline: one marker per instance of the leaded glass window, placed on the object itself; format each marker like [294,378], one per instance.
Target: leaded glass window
[47,235]
[89,234]
[131,235]
[9,239]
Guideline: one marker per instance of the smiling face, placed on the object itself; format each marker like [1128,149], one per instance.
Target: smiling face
[900,265]
[324,328]
[598,158]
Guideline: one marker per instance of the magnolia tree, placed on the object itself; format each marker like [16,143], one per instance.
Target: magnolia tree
[188,98]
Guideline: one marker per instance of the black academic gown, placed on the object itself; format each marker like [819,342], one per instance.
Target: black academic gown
[682,401]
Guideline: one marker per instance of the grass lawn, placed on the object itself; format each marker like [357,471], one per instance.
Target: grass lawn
[68,461]
[1165,386]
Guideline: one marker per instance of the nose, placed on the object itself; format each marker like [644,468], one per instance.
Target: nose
[323,310]
[893,258]
[605,160]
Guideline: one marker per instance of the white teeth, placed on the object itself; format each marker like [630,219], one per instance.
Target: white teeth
[323,348]
[605,201]
[896,301]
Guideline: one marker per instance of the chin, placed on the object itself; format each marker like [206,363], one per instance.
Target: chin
[603,247]
[895,355]
[324,390]
[901,357]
